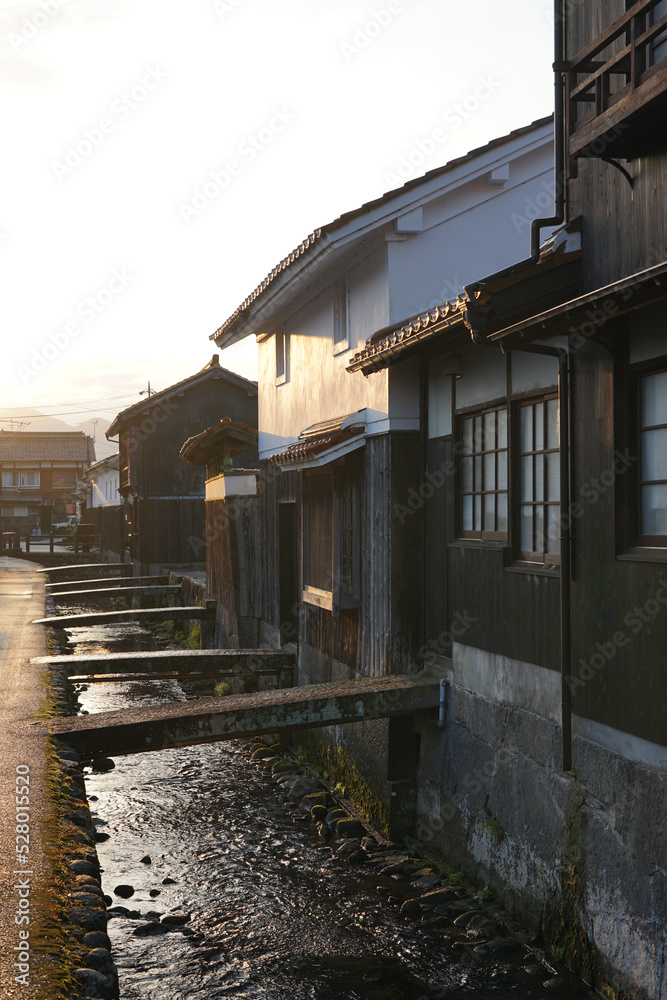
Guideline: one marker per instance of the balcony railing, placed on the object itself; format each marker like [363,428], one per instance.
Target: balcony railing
[616,86]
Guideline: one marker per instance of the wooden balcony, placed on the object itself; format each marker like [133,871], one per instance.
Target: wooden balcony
[616,87]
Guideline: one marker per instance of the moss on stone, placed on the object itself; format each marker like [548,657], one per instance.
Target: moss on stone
[364,791]
[567,938]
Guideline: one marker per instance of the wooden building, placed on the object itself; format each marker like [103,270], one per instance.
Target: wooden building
[163,496]
[542,503]
[40,471]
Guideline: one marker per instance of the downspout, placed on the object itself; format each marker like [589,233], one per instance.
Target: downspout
[565,542]
[558,217]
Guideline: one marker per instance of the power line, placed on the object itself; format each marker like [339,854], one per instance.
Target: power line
[83,402]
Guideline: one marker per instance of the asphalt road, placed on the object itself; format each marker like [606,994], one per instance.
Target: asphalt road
[21,694]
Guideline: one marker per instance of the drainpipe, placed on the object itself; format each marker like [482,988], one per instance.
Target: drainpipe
[565,542]
[558,217]
[443,703]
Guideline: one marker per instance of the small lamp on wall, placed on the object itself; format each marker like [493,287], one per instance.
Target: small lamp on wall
[452,366]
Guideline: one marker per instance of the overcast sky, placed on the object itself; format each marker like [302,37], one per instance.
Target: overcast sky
[159,158]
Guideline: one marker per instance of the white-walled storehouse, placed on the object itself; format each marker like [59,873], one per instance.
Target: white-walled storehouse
[334,569]
[335,447]
[104,478]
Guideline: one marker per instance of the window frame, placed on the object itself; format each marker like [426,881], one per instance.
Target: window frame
[533,558]
[341,315]
[640,372]
[19,475]
[282,356]
[483,535]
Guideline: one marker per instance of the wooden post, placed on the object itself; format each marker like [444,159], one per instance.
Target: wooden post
[207,629]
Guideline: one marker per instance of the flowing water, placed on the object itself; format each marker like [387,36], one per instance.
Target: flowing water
[275,914]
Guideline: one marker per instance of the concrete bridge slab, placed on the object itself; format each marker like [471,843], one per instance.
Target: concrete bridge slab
[141,616]
[109,734]
[175,661]
[165,590]
[107,581]
[81,571]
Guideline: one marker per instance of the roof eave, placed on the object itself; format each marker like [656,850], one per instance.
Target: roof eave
[618,298]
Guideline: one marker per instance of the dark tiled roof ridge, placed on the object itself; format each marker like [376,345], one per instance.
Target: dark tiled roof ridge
[316,235]
[155,398]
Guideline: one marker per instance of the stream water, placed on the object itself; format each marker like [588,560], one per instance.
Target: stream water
[275,914]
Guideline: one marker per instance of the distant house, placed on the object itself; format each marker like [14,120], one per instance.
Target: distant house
[163,496]
[102,503]
[40,471]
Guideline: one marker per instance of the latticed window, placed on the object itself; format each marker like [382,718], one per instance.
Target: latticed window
[539,481]
[653,464]
[484,475]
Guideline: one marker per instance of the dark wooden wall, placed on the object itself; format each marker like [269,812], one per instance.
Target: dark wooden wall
[624,228]
[516,614]
[233,565]
[109,525]
[586,19]
[440,531]
[620,659]
[170,531]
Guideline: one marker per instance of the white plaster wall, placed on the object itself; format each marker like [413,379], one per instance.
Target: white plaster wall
[318,386]
[104,491]
[469,233]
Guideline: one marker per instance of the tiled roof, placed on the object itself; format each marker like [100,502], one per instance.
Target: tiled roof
[212,369]
[46,446]
[320,437]
[384,343]
[263,285]
[320,235]
[226,434]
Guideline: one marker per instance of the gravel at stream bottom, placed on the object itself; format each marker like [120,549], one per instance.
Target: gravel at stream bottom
[221,885]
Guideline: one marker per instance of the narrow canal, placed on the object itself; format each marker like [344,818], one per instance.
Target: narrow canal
[274,913]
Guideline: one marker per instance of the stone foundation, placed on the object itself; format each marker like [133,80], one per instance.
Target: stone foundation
[580,857]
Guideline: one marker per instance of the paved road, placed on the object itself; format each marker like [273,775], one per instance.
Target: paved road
[21,693]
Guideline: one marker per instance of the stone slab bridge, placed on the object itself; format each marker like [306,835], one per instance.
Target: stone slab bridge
[210,720]
[189,664]
[104,582]
[79,571]
[146,590]
[141,616]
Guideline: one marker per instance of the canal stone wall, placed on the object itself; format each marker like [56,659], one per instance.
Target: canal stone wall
[576,856]
[376,758]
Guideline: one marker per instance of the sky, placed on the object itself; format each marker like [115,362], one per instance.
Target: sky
[159,158]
